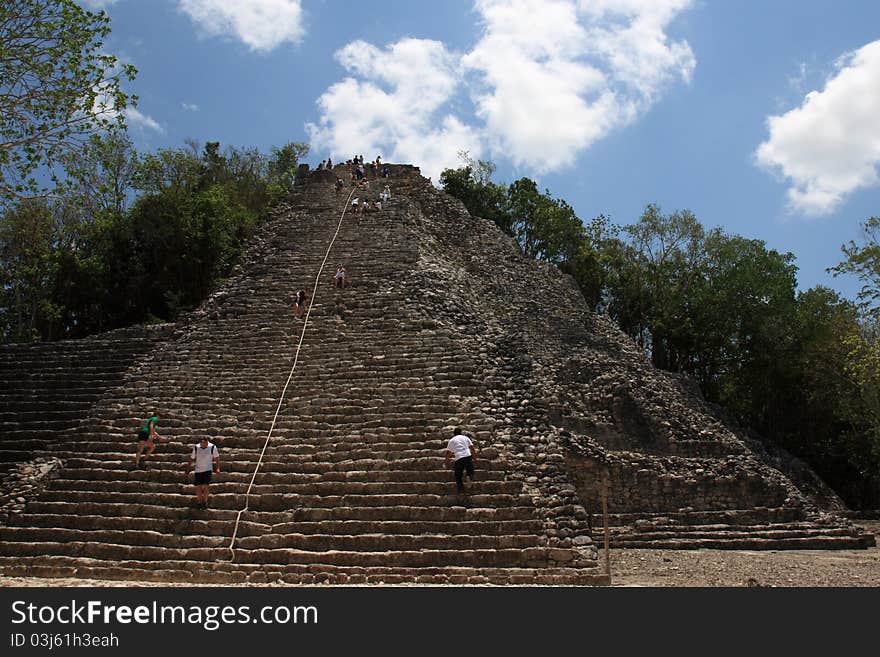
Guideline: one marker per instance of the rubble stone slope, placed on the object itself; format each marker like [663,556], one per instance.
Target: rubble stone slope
[580,397]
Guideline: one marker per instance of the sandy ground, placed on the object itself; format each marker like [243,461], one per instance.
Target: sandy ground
[813,568]
[683,568]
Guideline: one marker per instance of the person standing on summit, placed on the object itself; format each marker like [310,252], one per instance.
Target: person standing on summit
[461,448]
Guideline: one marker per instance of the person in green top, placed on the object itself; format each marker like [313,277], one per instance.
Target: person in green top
[147,439]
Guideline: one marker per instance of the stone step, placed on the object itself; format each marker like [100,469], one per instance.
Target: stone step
[28,411]
[24,394]
[247,461]
[782,530]
[238,473]
[306,460]
[183,512]
[429,455]
[211,527]
[336,437]
[282,502]
[86,360]
[505,557]
[71,378]
[230,573]
[28,442]
[321,542]
[767,541]
[756,516]
[317,428]
[13,429]
[220,485]
[15,455]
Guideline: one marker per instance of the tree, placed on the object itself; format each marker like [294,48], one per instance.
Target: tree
[248,174]
[657,270]
[472,185]
[546,228]
[743,333]
[57,87]
[101,176]
[27,242]
[863,363]
[175,171]
[283,167]
[591,263]
[829,421]
[863,260]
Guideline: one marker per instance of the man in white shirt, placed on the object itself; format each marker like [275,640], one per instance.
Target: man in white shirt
[461,448]
[206,457]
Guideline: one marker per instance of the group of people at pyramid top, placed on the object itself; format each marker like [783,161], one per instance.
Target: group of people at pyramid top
[358,170]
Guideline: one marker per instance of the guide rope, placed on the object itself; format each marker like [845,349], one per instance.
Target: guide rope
[289,376]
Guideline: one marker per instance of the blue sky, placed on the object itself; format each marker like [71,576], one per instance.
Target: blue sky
[760,116]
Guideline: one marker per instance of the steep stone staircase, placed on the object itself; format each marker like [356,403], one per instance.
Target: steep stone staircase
[46,389]
[352,488]
[749,529]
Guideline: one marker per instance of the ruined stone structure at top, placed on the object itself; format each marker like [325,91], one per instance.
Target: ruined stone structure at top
[446,323]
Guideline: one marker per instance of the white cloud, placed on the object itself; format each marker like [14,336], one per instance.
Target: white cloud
[558,75]
[539,103]
[261,24]
[190,107]
[829,147]
[630,36]
[105,107]
[798,81]
[395,111]
[547,79]
[135,117]
[96,5]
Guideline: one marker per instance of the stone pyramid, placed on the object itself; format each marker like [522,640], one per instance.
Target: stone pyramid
[445,323]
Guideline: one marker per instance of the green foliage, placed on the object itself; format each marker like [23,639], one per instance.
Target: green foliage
[591,260]
[175,251]
[863,261]
[170,171]
[862,344]
[473,186]
[57,87]
[664,261]
[830,422]
[546,228]
[801,370]
[740,325]
[27,266]
[100,177]
[133,238]
[283,167]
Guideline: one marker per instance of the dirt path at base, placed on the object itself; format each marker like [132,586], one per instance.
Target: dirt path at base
[749,567]
[678,568]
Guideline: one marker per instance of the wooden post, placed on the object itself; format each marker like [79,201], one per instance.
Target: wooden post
[605,522]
